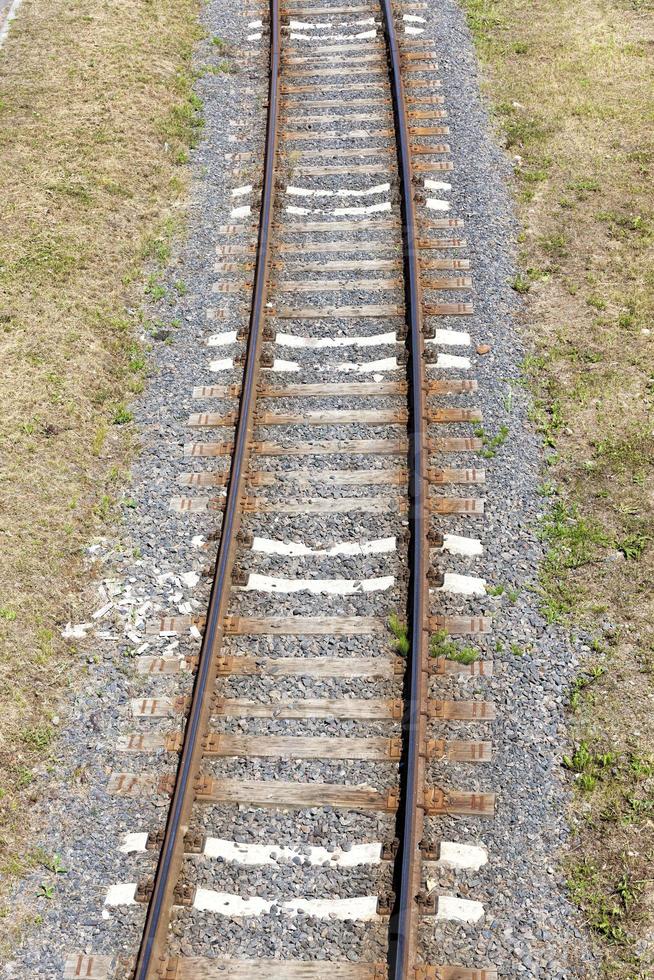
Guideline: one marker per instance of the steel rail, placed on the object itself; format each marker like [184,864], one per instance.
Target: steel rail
[151,957]
[404,916]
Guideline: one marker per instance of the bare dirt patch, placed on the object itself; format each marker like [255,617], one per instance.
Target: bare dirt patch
[96,119]
[572,90]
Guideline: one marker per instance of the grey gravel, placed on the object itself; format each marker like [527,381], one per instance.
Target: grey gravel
[530,928]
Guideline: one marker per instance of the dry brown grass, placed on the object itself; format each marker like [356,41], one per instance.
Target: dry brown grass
[96,116]
[572,86]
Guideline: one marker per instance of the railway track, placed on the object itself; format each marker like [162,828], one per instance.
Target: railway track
[317,728]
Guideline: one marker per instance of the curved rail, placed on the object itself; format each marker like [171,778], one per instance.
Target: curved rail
[153,943]
[410,816]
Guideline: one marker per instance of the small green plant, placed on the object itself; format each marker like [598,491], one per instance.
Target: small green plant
[441,645]
[38,737]
[633,546]
[121,415]
[45,890]
[521,284]
[491,443]
[588,765]
[9,615]
[399,631]
[581,683]
[154,289]
[495,590]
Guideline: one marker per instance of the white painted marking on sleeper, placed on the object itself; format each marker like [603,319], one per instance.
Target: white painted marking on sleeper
[363,909]
[133,842]
[370,209]
[285,367]
[222,339]
[269,546]
[242,191]
[462,584]
[224,364]
[340,192]
[450,338]
[240,212]
[324,586]
[385,364]
[122,894]
[362,35]
[317,343]
[452,361]
[254,37]
[464,856]
[255,23]
[414,30]
[457,545]
[449,908]
[414,19]
[260,854]
[435,204]
[437,185]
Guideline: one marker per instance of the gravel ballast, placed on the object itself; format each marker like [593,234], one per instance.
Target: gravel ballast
[154,567]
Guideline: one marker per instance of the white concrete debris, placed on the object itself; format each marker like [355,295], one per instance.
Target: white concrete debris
[325,586]
[271,547]
[99,613]
[190,579]
[76,632]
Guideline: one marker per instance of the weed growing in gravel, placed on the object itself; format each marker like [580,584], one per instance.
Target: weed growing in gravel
[495,590]
[399,631]
[441,645]
[491,443]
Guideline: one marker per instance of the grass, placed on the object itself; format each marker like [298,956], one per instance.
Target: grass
[441,645]
[571,85]
[96,111]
